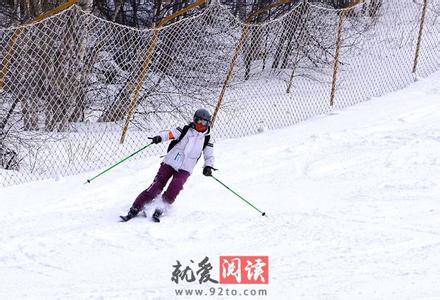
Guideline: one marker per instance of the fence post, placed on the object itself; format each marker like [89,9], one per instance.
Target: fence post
[147,62]
[336,63]
[143,72]
[230,70]
[419,39]
[301,44]
[237,50]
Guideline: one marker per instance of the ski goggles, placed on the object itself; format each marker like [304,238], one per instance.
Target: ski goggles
[201,121]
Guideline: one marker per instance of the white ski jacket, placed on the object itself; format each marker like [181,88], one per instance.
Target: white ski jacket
[185,154]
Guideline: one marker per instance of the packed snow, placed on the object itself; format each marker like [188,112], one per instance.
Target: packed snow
[352,203]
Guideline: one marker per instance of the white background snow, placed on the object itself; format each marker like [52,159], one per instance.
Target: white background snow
[352,200]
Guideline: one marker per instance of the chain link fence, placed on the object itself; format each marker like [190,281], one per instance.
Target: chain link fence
[67,83]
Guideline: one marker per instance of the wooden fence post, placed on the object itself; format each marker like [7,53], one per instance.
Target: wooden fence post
[419,39]
[336,63]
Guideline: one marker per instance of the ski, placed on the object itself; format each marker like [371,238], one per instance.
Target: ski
[155,217]
[124,218]
[131,214]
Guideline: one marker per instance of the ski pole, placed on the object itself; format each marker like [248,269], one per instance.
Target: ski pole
[261,212]
[119,162]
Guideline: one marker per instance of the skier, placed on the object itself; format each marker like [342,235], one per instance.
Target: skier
[185,149]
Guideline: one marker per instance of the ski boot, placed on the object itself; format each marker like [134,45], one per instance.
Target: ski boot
[156,215]
[131,214]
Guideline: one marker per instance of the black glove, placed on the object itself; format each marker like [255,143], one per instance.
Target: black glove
[207,171]
[155,139]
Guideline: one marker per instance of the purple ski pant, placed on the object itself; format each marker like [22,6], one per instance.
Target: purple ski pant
[163,175]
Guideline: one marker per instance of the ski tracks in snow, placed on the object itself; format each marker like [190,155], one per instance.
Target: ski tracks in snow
[351,199]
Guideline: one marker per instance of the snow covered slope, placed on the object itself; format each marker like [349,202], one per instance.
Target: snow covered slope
[352,200]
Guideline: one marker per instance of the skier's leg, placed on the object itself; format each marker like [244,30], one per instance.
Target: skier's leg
[176,185]
[161,179]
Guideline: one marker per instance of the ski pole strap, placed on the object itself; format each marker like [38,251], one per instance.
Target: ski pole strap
[119,162]
[261,212]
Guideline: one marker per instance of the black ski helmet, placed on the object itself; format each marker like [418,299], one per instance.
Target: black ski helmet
[202,114]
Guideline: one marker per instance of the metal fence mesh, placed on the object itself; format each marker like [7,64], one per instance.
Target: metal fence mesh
[66,83]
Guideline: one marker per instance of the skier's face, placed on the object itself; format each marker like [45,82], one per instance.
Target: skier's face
[201,125]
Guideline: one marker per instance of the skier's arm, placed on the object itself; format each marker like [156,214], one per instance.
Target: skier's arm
[172,134]
[208,154]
